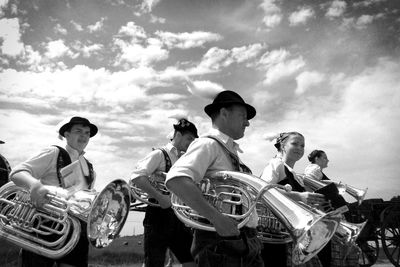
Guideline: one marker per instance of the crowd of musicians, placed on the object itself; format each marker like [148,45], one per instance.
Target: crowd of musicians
[186,159]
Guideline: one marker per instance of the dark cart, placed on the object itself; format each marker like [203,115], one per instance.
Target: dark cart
[381,230]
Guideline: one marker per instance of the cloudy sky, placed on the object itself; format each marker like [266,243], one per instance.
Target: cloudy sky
[328,69]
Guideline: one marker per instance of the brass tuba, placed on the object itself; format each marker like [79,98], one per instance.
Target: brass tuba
[237,194]
[54,230]
[157,180]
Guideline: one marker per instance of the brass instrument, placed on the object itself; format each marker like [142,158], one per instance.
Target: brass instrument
[313,184]
[157,180]
[346,233]
[237,194]
[54,230]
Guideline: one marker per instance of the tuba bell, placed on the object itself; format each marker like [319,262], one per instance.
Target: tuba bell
[54,230]
[237,194]
[157,180]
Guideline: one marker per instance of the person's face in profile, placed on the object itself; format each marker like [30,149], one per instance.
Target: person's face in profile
[236,121]
[322,161]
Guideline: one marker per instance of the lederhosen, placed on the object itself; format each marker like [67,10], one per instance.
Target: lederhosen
[239,249]
[79,255]
[164,230]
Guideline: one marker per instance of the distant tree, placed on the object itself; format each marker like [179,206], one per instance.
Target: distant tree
[396,199]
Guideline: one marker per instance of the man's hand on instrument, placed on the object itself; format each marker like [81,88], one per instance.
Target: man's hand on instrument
[225,226]
[38,194]
[164,201]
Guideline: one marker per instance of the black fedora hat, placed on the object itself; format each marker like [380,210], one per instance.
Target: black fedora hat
[227,98]
[78,120]
[184,125]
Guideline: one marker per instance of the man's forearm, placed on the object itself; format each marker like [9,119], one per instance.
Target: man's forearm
[185,189]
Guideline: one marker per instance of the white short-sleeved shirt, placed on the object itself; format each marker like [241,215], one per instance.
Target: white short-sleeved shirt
[44,167]
[313,171]
[155,161]
[204,157]
[274,172]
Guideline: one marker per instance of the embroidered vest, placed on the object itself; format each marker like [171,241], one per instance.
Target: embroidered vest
[63,160]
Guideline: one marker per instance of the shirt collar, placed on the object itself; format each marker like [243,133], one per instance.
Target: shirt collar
[172,149]
[227,140]
[73,152]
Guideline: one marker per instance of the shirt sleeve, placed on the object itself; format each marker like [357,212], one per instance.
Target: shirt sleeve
[313,171]
[274,172]
[149,164]
[196,161]
[38,165]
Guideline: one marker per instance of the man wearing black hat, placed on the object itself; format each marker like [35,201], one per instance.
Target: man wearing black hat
[162,229]
[5,168]
[217,151]
[45,169]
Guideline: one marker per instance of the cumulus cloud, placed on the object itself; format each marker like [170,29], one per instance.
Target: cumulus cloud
[148,5]
[77,26]
[186,40]
[98,26]
[56,49]
[279,64]
[336,9]
[364,20]
[204,89]
[301,16]
[216,58]
[272,13]
[60,29]
[11,36]
[306,80]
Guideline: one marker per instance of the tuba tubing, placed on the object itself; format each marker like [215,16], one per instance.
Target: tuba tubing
[157,180]
[309,228]
[54,230]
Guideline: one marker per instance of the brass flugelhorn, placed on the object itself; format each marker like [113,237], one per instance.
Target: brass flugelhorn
[313,184]
[54,230]
[236,195]
[347,232]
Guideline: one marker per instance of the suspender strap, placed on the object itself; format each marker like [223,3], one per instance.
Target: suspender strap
[237,164]
[168,163]
[63,160]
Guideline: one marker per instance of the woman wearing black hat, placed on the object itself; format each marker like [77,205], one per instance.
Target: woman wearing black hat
[45,169]
[162,229]
[218,151]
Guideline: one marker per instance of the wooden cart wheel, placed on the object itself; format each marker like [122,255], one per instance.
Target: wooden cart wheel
[390,234]
[369,252]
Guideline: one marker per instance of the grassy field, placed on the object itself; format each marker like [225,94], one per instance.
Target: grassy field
[124,251]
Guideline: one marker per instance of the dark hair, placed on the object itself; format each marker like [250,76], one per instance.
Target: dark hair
[282,137]
[315,154]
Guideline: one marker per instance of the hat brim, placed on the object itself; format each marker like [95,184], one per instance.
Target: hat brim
[211,108]
[93,128]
